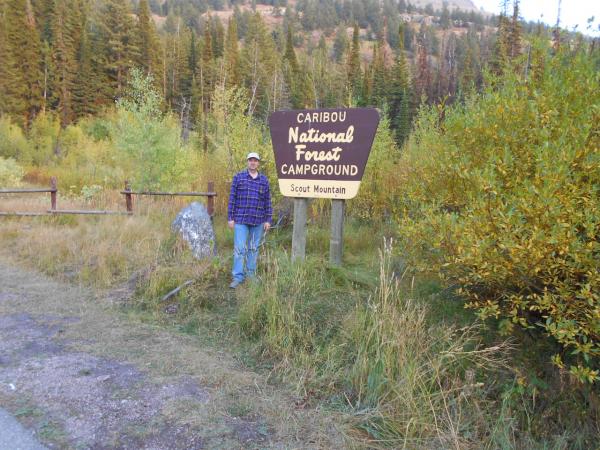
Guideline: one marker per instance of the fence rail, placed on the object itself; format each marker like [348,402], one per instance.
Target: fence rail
[127,192]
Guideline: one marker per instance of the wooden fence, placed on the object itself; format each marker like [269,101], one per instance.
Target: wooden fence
[127,193]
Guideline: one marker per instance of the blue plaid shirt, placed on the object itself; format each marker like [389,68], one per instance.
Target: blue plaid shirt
[250,199]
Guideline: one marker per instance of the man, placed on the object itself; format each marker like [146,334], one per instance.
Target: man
[249,214]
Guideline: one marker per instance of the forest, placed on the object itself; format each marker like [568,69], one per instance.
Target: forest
[467,313]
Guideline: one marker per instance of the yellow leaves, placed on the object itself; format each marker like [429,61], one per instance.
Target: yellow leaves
[524,241]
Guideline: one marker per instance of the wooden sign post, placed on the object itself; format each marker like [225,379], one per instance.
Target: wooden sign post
[299,231]
[321,154]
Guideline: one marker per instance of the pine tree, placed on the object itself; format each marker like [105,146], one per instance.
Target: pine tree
[380,74]
[353,71]
[290,54]
[66,29]
[120,47]
[218,37]
[89,91]
[467,75]
[232,56]
[24,77]
[340,44]
[422,77]
[260,65]
[445,21]
[206,70]
[42,10]
[514,33]
[4,56]
[500,52]
[148,39]
[399,95]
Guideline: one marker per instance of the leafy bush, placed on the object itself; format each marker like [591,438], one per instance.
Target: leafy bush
[10,173]
[379,184]
[232,135]
[147,141]
[43,137]
[13,143]
[501,197]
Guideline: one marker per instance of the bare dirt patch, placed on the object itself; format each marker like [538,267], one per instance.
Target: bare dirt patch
[82,375]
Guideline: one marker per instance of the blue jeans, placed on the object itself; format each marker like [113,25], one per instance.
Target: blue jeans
[246,240]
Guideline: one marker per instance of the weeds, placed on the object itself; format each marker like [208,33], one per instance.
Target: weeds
[399,357]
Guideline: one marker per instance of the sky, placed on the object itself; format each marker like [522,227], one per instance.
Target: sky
[572,12]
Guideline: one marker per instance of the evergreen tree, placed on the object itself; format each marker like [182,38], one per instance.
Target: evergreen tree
[380,74]
[340,44]
[501,50]
[353,71]
[232,69]
[206,70]
[218,37]
[120,47]
[423,74]
[24,78]
[399,95]
[89,90]
[514,33]
[4,56]
[148,39]
[467,77]
[445,21]
[42,10]
[260,66]
[290,54]
[66,30]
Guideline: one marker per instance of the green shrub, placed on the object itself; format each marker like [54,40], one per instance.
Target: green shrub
[13,143]
[501,198]
[43,138]
[148,143]
[10,173]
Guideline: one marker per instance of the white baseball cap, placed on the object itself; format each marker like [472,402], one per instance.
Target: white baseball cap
[253,155]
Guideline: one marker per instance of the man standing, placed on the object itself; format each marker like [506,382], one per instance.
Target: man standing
[248,214]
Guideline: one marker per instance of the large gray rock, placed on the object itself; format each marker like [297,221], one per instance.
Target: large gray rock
[195,226]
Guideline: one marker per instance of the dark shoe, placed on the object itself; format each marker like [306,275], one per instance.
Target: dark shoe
[234,284]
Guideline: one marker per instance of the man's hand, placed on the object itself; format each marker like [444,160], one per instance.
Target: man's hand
[231,223]
[266,226]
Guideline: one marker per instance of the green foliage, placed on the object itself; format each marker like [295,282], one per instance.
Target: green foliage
[13,143]
[501,197]
[10,173]
[148,141]
[43,140]
[374,348]
[21,84]
[379,185]
[233,134]
[405,372]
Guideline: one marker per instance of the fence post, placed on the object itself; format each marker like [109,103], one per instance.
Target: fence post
[336,242]
[210,203]
[54,190]
[128,198]
[299,229]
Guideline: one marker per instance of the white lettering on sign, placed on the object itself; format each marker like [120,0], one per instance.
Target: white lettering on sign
[321,116]
[315,155]
[314,136]
[319,169]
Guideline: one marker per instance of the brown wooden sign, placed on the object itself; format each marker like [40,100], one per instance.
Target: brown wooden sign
[322,153]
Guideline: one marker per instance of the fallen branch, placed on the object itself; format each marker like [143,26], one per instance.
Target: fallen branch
[176,290]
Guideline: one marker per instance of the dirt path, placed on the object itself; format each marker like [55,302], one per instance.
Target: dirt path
[81,375]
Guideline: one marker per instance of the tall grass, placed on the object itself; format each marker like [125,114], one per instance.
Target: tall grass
[405,381]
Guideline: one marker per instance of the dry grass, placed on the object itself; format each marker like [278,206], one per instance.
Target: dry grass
[237,397]
[96,250]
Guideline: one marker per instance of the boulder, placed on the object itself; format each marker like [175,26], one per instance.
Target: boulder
[194,224]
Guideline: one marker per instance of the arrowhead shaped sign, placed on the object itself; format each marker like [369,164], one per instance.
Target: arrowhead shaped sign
[322,153]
